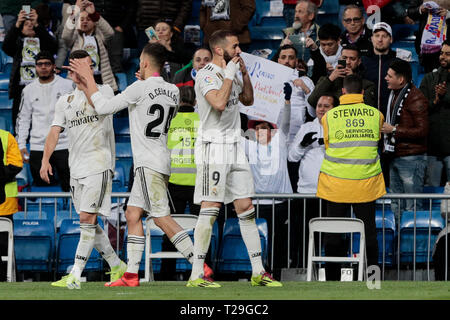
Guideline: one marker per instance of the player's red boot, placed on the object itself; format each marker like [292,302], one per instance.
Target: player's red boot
[127,280]
[207,271]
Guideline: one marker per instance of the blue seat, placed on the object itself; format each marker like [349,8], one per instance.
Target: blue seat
[5,102]
[24,176]
[22,215]
[156,243]
[4,81]
[435,203]
[182,265]
[122,129]
[404,32]
[62,215]
[124,157]
[119,179]
[233,256]
[34,244]
[423,227]
[389,236]
[68,238]
[46,203]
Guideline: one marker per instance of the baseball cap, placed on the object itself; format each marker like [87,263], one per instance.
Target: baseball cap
[382,26]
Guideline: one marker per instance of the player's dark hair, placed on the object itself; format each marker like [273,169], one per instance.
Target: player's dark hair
[187,95]
[157,53]
[352,47]
[333,96]
[283,47]
[353,84]
[44,55]
[78,54]
[329,31]
[402,68]
[219,37]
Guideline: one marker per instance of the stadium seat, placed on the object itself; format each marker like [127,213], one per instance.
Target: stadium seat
[124,157]
[157,239]
[118,181]
[389,236]
[404,32]
[155,234]
[22,215]
[24,176]
[423,229]
[62,215]
[122,129]
[68,237]
[182,265]
[6,226]
[34,244]
[435,203]
[233,256]
[4,81]
[46,203]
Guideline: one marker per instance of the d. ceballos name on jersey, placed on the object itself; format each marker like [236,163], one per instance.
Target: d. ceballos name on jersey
[160,91]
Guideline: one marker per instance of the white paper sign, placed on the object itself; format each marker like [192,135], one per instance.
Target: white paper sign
[268,80]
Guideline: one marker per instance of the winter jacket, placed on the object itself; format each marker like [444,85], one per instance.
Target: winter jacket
[376,67]
[241,12]
[438,114]
[412,129]
[177,12]
[102,33]
[13,45]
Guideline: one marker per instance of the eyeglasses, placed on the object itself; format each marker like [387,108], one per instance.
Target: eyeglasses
[350,20]
[40,64]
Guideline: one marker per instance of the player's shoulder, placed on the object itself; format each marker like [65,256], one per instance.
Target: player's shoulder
[64,82]
[31,86]
[209,70]
[105,89]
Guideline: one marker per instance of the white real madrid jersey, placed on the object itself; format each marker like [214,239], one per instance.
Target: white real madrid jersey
[152,104]
[91,136]
[216,126]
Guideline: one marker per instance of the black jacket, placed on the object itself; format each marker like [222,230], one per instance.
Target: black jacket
[376,67]
[13,45]
[177,12]
[438,114]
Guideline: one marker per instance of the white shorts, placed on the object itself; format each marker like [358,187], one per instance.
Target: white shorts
[92,194]
[223,173]
[149,192]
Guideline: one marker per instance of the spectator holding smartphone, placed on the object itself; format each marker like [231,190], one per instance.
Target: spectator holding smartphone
[23,42]
[349,63]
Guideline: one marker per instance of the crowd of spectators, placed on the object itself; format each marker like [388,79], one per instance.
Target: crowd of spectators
[415,143]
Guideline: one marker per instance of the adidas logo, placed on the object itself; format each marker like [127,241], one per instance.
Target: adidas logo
[94,205]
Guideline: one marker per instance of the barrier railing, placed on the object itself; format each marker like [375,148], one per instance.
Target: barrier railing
[382,202]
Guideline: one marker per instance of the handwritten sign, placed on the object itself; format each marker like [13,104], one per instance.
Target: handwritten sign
[268,80]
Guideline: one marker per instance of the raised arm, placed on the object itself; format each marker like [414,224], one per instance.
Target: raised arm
[246,96]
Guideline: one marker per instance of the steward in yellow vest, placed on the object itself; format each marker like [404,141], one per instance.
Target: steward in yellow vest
[12,162]
[351,176]
[181,141]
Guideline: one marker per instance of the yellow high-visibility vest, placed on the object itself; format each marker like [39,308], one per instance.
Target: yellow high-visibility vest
[180,141]
[353,134]
[11,190]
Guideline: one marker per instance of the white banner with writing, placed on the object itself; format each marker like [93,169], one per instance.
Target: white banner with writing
[268,80]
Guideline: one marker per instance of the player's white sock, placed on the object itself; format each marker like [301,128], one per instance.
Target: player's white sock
[250,235]
[103,246]
[84,248]
[202,239]
[184,244]
[135,248]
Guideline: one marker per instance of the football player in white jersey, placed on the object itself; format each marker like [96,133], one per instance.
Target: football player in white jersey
[152,103]
[91,163]
[223,172]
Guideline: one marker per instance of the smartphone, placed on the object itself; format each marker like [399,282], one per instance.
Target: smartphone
[26,8]
[342,63]
[151,33]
